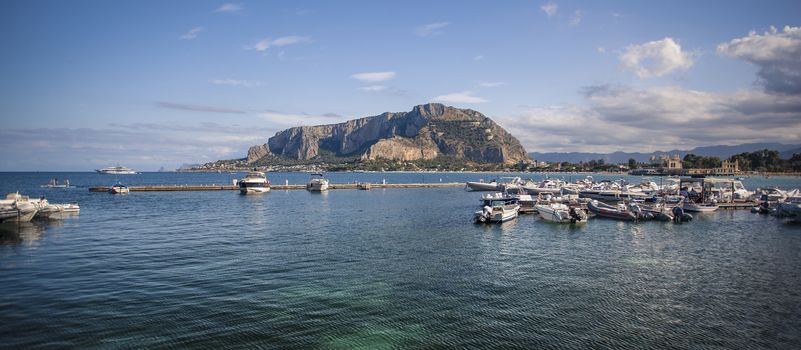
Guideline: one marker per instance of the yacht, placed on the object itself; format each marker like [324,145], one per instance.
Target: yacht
[317,183]
[117,170]
[254,182]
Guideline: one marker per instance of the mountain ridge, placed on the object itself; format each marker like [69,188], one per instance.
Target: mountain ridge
[722,151]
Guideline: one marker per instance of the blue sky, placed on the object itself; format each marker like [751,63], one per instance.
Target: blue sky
[145,84]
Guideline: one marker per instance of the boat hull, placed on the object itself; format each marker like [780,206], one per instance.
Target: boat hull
[482,186]
[609,212]
[699,208]
[254,190]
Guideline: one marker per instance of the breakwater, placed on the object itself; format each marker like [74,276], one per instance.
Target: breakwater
[345,186]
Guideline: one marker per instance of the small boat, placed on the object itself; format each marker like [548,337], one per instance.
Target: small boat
[317,183]
[117,170]
[526,202]
[17,208]
[119,189]
[498,207]
[54,211]
[54,184]
[790,209]
[612,195]
[253,183]
[364,185]
[619,212]
[700,207]
[482,186]
[561,213]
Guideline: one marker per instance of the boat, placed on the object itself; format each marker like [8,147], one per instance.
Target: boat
[482,186]
[364,185]
[48,210]
[117,170]
[612,195]
[253,183]
[619,212]
[317,183]
[119,188]
[790,209]
[54,184]
[498,207]
[547,185]
[700,207]
[526,202]
[16,208]
[561,213]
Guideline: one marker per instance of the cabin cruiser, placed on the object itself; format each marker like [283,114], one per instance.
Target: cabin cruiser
[119,188]
[317,183]
[254,182]
[498,207]
[117,170]
[561,213]
[16,208]
[612,195]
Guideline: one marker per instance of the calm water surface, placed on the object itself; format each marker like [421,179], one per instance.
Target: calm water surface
[383,269]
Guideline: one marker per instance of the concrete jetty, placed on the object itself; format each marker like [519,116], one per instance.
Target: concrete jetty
[347,186]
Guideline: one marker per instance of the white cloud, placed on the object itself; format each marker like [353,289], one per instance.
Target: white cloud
[601,50]
[372,77]
[490,84]
[459,97]
[575,20]
[192,33]
[235,82]
[266,43]
[550,8]
[776,53]
[655,58]
[478,57]
[286,120]
[619,118]
[373,88]
[430,29]
[230,8]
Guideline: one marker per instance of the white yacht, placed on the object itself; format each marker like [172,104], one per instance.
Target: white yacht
[254,182]
[317,183]
[561,213]
[16,208]
[117,170]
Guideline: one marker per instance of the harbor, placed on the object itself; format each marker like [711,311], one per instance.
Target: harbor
[340,186]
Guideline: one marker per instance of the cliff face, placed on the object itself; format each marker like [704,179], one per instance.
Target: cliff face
[424,133]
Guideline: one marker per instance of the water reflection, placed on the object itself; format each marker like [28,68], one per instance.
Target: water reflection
[16,233]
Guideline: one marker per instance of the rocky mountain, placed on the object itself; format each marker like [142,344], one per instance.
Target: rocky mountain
[424,133]
[721,151]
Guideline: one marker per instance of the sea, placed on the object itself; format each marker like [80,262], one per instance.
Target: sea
[384,269]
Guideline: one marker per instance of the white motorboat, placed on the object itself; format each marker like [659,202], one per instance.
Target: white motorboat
[54,184]
[117,170]
[498,207]
[700,207]
[561,213]
[16,208]
[612,195]
[254,182]
[483,186]
[119,188]
[317,183]
[48,210]
[547,185]
[526,202]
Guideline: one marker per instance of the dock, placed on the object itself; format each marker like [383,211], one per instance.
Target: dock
[347,186]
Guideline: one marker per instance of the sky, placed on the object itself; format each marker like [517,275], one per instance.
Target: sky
[151,84]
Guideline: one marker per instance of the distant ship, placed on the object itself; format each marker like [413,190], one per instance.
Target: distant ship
[118,170]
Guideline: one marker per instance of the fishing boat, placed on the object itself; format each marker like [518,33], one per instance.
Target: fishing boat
[498,207]
[619,212]
[119,188]
[317,183]
[54,184]
[700,207]
[16,208]
[117,170]
[254,182]
[561,213]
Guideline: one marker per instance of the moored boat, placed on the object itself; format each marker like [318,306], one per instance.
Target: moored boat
[619,212]
[700,207]
[789,209]
[17,208]
[561,213]
[54,184]
[317,183]
[119,188]
[498,207]
[254,182]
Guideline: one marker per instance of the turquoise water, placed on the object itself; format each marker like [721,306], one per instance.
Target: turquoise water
[383,269]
